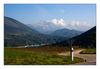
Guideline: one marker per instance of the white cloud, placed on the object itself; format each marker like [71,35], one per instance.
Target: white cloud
[79,25]
[75,24]
[59,22]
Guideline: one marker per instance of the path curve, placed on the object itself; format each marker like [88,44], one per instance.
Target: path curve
[90,59]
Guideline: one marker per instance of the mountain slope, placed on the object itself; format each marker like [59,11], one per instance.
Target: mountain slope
[86,40]
[66,33]
[17,33]
[12,26]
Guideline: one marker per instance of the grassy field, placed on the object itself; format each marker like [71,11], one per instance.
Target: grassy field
[37,56]
[89,51]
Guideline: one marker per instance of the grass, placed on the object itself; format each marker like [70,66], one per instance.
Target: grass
[89,51]
[25,56]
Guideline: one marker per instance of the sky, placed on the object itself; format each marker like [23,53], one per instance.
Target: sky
[73,16]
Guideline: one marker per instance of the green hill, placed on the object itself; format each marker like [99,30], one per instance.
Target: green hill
[87,39]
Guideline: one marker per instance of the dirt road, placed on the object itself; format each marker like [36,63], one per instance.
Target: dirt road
[90,59]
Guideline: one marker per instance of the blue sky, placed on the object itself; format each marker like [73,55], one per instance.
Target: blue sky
[70,14]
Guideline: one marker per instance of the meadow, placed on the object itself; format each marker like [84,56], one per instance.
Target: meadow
[37,56]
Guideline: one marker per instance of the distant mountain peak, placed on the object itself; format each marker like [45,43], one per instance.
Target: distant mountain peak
[66,33]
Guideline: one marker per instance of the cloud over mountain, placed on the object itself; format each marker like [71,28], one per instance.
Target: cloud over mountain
[55,24]
[79,25]
[59,22]
[75,24]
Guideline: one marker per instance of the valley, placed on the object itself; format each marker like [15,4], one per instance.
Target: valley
[24,45]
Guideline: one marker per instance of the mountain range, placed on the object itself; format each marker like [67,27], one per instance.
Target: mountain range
[49,28]
[19,34]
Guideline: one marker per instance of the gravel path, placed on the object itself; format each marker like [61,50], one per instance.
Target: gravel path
[90,59]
